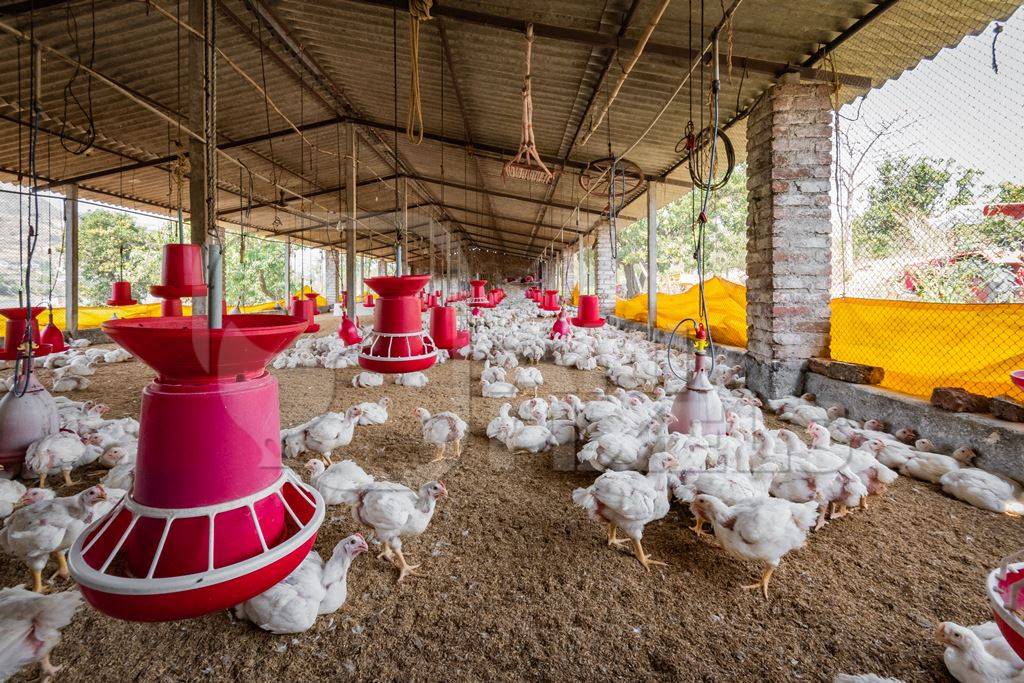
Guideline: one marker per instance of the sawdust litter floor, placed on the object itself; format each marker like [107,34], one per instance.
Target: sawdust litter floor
[519,584]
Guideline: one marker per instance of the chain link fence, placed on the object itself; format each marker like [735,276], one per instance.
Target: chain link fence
[47,279]
[928,239]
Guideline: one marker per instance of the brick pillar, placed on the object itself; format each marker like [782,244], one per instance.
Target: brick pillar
[605,289]
[789,156]
[331,260]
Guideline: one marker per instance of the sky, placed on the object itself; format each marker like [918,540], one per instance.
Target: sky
[956,107]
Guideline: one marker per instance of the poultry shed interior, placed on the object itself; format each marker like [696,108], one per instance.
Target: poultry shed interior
[563,340]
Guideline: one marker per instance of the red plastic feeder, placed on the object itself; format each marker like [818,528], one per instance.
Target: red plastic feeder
[52,336]
[348,331]
[170,307]
[398,343]
[14,332]
[561,328]
[213,519]
[305,309]
[183,274]
[588,315]
[444,329]
[121,294]
[551,301]
[1017,377]
[1004,586]
[479,296]
[368,299]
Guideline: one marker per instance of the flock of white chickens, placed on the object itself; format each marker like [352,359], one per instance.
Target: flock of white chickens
[761,490]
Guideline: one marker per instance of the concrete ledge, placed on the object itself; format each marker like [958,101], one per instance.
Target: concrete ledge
[999,444]
[776,378]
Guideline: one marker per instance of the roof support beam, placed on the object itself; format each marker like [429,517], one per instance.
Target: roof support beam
[498,217]
[326,191]
[502,195]
[611,41]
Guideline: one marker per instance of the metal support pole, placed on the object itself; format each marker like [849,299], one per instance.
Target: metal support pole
[216,279]
[351,172]
[652,260]
[287,272]
[202,173]
[71,259]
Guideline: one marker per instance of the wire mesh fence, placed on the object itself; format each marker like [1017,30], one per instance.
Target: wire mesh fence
[47,273]
[929,197]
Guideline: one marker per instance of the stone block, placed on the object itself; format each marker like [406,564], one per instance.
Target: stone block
[959,400]
[854,373]
[1006,408]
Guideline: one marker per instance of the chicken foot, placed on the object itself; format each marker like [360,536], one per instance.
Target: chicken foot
[613,539]
[763,583]
[47,669]
[37,582]
[404,568]
[67,478]
[645,560]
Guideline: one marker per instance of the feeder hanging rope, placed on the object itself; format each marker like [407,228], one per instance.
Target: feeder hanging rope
[419,11]
[521,166]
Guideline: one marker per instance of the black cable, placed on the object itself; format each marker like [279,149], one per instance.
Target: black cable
[71,27]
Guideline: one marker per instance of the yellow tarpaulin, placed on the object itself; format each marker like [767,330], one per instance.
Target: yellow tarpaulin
[920,345]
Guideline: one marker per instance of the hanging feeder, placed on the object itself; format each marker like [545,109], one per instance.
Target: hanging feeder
[182,273]
[213,518]
[527,164]
[305,309]
[478,297]
[23,420]
[368,299]
[52,336]
[398,343]
[348,331]
[14,332]
[550,302]
[121,294]
[588,314]
[444,329]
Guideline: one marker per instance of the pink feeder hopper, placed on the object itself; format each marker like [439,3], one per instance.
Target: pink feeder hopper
[121,294]
[699,402]
[1017,377]
[368,299]
[398,343]
[561,328]
[550,301]
[1004,586]
[52,336]
[305,309]
[213,519]
[23,420]
[588,315]
[444,329]
[478,297]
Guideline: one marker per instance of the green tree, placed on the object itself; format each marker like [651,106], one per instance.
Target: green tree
[725,236]
[905,194]
[102,236]
[257,278]
[997,231]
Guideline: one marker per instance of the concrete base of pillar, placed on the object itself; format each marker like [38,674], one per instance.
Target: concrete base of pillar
[774,379]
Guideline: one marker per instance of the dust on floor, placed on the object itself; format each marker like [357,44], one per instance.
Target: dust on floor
[518,583]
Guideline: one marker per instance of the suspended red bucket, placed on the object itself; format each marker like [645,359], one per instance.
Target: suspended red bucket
[306,309]
[368,300]
[121,294]
[52,336]
[443,329]
[551,301]
[170,307]
[213,518]
[182,274]
[588,314]
[398,343]
[14,332]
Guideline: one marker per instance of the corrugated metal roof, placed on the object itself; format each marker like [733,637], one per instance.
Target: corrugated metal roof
[352,44]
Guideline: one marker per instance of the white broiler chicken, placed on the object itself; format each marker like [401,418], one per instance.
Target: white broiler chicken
[374,413]
[527,438]
[498,389]
[394,511]
[616,452]
[503,419]
[53,454]
[442,429]
[30,625]
[984,490]
[120,476]
[529,378]
[762,529]
[493,373]
[932,467]
[978,654]
[314,588]
[628,501]
[331,431]
[11,491]
[368,379]
[803,415]
[416,380]
[534,410]
[49,527]
[334,482]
